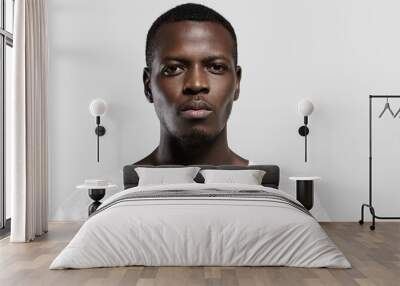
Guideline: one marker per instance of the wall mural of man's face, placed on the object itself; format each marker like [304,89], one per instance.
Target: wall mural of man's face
[193,79]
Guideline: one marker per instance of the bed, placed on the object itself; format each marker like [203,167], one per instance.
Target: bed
[201,224]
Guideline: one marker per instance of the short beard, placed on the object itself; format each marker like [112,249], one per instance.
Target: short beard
[195,139]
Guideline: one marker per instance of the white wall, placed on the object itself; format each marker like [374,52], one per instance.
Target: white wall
[335,53]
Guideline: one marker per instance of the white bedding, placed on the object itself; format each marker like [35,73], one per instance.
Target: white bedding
[185,231]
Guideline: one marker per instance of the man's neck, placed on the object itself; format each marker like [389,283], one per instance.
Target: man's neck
[174,151]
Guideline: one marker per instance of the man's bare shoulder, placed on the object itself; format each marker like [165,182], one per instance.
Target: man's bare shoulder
[148,160]
[238,160]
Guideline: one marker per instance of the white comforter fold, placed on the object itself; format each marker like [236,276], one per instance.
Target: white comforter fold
[190,230]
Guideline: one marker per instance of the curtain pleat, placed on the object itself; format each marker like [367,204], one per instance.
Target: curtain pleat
[30,172]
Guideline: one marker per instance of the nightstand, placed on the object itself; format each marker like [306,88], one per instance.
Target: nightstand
[305,190]
[96,193]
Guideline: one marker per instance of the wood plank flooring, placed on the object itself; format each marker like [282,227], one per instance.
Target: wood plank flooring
[374,255]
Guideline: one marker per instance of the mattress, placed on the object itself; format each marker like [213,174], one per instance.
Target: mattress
[201,225]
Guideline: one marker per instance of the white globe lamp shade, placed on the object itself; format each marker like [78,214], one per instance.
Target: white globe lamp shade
[305,107]
[98,107]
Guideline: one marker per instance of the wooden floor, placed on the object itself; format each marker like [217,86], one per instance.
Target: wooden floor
[374,255]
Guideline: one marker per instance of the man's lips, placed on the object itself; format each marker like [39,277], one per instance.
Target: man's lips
[195,114]
[197,109]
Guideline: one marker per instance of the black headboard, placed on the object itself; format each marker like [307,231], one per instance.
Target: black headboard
[270,179]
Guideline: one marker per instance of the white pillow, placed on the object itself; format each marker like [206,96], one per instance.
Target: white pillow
[162,176]
[248,177]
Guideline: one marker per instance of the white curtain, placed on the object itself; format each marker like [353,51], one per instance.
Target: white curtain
[27,122]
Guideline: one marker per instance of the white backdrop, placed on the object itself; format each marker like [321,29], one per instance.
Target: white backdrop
[334,53]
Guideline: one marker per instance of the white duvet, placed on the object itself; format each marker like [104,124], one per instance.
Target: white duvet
[200,231]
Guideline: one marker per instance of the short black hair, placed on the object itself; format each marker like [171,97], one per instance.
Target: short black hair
[187,12]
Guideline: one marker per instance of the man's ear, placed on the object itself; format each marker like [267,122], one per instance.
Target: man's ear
[238,78]
[146,83]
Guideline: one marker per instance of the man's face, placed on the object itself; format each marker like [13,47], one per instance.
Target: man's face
[193,79]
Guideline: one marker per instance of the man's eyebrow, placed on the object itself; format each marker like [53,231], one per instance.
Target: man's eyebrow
[184,60]
[175,58]
[216,57]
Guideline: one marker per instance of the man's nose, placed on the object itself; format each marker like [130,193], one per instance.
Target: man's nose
[196,81]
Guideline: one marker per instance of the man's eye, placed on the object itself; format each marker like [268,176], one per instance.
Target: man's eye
[217,68]
[171,70]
